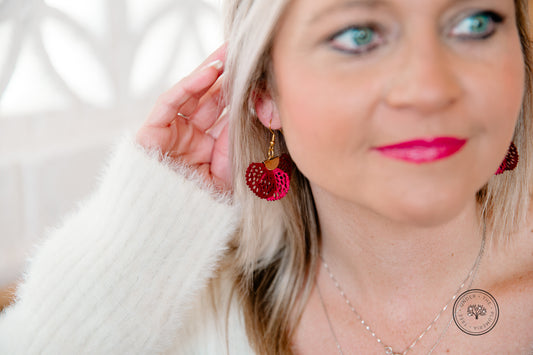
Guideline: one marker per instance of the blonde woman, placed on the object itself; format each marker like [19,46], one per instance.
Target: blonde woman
[405,228]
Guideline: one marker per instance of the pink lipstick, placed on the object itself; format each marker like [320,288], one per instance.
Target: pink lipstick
[421,151]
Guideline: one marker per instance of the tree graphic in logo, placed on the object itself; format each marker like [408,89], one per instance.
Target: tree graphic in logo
[476,310]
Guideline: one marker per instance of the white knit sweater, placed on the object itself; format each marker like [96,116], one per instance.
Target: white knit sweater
[127,272]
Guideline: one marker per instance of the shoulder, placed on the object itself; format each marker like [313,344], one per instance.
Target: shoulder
[514,259]
[524,242]
[507,274]
[508,267]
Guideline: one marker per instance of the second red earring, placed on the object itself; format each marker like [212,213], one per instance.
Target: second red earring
[510,162]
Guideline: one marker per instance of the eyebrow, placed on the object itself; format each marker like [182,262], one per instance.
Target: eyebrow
[343,6]
[356,3]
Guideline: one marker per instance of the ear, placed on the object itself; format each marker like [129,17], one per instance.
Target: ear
[266,110]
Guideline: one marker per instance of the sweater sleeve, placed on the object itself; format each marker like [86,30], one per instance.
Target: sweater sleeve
[119,274]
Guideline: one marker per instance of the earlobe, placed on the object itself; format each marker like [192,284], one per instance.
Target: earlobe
[267,111]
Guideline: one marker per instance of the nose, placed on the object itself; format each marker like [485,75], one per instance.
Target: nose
[424,78]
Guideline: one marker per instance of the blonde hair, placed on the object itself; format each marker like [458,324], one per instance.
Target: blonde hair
[275,252]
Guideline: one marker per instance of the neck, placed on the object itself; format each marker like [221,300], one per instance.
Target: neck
[382,260]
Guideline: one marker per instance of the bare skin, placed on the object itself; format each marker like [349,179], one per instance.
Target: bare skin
[399,238]
[506,273]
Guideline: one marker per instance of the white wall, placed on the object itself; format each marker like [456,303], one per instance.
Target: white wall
[74,74]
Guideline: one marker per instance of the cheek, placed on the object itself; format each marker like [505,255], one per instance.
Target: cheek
[323,124]
[497,95]
[504,94]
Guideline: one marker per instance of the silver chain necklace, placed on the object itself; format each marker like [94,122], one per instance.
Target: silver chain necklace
[388,349]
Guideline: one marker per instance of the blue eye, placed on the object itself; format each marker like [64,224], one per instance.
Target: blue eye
[356,40]
[478,26]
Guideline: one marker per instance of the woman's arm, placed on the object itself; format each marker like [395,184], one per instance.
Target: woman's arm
[121,272]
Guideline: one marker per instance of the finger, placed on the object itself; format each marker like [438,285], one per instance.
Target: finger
[216,129]
[218,54]
[209,108]
[191,88]
[194,87]
[193,146]
[220,162]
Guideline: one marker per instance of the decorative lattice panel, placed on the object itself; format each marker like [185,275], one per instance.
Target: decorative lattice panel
[73,75]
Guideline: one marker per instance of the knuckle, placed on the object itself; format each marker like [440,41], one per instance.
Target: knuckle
[165,99]
[170,97]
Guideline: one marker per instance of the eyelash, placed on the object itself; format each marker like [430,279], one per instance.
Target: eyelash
[379,32]
[494,18]
[375,29]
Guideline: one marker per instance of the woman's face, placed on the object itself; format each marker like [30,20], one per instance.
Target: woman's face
[442,78]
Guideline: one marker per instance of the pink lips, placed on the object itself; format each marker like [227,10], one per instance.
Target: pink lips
[423,150]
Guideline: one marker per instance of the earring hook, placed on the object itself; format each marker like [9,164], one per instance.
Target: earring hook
[272,141]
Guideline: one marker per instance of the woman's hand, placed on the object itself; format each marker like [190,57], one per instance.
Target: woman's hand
[186,125]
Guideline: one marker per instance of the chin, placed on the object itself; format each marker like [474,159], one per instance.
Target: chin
[427,213]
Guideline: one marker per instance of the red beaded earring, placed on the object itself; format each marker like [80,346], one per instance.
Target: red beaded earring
[510,162]
[270,180]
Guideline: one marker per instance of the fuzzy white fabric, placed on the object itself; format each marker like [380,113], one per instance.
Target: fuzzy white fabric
[127,272]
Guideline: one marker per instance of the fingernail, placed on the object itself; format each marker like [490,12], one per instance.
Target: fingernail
[224,111]
[217,64]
